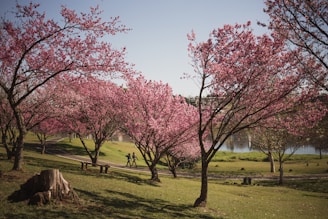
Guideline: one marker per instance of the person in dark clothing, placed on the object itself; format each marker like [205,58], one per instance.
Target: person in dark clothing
[128,156]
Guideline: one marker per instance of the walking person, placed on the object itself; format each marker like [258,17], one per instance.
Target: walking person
[128,156]
[134,158]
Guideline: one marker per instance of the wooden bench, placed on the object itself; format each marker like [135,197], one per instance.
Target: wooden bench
[84,165]
[103,167]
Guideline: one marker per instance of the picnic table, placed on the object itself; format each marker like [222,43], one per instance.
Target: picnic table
[103,167]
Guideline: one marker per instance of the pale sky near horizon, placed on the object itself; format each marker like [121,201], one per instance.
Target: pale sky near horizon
[157,43]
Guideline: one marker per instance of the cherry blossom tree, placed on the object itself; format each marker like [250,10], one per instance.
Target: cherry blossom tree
[264,140]
[244,79]
[318,135]
[186,154]
[41,111]
[36,50]
[91,108]
[281,136]
[281,145]
[155,119]
[305,25]
[46,129]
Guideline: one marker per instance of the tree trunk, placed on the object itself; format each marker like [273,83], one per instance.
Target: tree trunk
[18,162]
[94,160]
[202,199]
[172,165]
[5,144]
[174,172]
[271,159]
[281,172]
[249,137]
[43,141]
[96,156]
[154,174]
[43,150]
[9,152]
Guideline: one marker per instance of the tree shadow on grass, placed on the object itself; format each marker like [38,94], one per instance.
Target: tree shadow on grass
[43,212]
[127,205]
[52,164]
[66,148]
[116,174]
[131,178]
[70,149]
[57,148]
[309,185]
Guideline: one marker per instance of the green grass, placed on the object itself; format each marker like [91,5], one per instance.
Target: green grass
[128,194]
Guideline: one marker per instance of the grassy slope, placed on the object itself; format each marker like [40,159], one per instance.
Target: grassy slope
[126,194]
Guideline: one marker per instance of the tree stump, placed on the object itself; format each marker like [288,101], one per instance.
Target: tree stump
[247,181]
[49,185]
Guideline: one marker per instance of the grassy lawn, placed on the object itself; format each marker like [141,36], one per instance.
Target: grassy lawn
[129,194]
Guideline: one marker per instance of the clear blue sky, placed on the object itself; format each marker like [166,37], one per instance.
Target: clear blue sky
[157,43]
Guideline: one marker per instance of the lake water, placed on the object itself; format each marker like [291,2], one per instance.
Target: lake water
[245,148]
[240,145]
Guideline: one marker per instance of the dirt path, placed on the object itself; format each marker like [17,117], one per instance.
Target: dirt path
[60,152]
